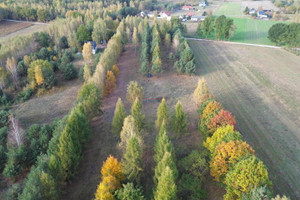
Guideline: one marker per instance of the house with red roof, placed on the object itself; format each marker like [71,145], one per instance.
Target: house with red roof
[187,8]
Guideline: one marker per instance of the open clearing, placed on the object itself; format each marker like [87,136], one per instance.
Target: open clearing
[7,27]
[55,104]
[260,86]
[103,143]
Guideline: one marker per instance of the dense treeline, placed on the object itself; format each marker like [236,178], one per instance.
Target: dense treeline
[43,12]
[60,158]
[285,34]
[232,160]
[222,26]
[160,36]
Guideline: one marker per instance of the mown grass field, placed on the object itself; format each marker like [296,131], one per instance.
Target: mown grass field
[229,9]
[252,31]
[260,86]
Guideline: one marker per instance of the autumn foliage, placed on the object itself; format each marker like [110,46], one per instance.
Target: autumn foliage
[226,155]
[232,160]
[223,118]
[112,176]
[110,83]
[115,69]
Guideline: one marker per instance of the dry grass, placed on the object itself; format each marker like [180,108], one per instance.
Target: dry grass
[8,27]
[56,103]
[260,86]
[169,85]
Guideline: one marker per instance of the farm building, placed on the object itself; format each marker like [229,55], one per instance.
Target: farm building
[197,18]
[262,15]
[252,11]
[187,8]
[165,15]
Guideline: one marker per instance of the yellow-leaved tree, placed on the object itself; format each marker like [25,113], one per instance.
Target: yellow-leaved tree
[247,174]
[226,155]
[201,92]
[87,53]
[225,133]
[112,176]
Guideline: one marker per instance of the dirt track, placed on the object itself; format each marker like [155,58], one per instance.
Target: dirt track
[260,86]
[103,143]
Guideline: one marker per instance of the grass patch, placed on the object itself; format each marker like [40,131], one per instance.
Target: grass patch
[229,9]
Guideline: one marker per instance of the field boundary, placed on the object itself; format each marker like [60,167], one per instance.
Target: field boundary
[238,43]
[20,21]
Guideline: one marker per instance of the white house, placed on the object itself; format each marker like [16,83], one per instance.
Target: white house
[202,4]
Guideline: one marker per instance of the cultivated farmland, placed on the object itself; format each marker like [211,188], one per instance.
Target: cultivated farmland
[260,86]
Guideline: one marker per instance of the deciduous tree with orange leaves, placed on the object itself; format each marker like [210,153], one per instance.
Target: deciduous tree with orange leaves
[209,112]
[226,155]
[225,133]
[110,83]
[223,118]
[112,176]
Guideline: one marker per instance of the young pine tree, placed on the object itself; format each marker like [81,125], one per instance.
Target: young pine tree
[201,92]
[119,116]
[129,130]
[166,187]
[179,121]
[134,90]
[162,114]
[137,114]
[132,161]
[110,83]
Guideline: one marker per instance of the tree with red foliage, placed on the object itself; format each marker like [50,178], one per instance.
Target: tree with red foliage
[223,118]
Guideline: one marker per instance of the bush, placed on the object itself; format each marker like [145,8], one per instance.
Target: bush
[63,42]
[3,157]
[81,73]
[3,135]
[21,69]
[195,164]
[13,192]
[189,188]
[69,71]
[3,118]
[25,95]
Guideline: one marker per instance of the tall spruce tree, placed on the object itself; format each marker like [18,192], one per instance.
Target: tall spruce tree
[119,116]
[137,114]
[162,114]
[167,160]
[179,121]
[162,145]
[166,187]
[132,161]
